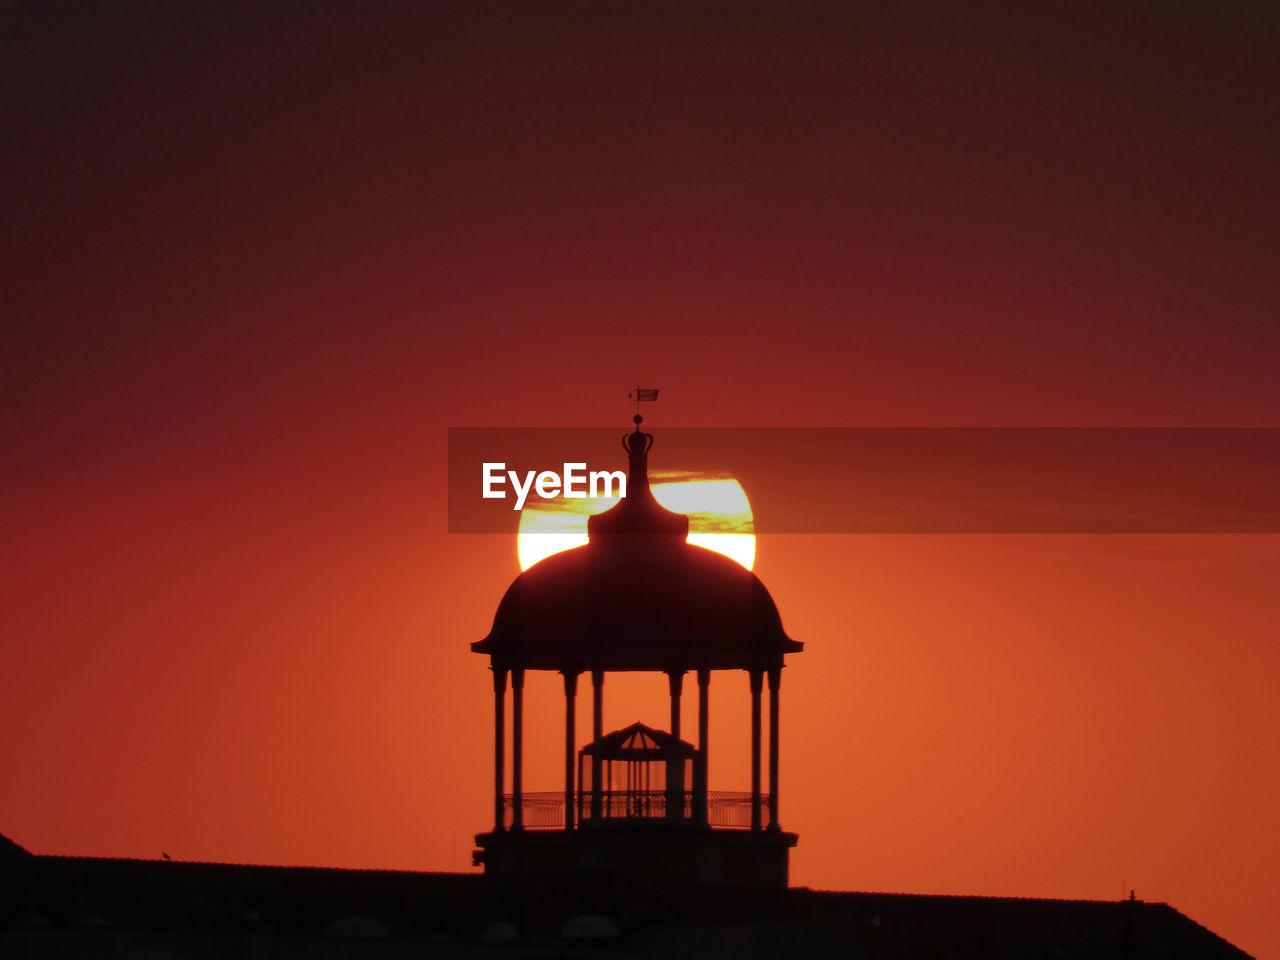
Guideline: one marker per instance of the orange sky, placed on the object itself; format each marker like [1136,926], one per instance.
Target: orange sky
[258,262]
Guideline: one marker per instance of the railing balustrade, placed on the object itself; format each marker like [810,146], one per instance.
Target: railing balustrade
[545,810]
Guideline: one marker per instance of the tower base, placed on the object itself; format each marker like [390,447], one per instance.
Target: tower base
[656,852]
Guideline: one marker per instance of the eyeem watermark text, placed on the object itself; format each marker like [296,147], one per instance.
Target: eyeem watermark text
[573,482]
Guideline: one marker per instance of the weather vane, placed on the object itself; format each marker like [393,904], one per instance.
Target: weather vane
[639,395]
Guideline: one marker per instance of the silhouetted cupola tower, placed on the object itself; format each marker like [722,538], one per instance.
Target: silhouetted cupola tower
[637,597]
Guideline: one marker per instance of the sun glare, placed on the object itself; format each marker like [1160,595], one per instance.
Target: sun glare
[719,518]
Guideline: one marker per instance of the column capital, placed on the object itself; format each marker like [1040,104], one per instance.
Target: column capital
[675,681]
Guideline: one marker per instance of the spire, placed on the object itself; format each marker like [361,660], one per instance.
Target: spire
[638,512]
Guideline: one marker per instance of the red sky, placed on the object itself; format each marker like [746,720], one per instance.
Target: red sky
[256,260]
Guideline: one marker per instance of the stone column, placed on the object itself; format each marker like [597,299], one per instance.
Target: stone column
[675,774]
[517,748]
[775,681]
[499,739]
[570,739]
[700,771]
[597,731]
[757,683]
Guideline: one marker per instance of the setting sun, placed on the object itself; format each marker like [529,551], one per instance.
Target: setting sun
[719,514]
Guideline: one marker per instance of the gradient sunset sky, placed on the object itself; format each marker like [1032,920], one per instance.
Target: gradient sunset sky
[257,258]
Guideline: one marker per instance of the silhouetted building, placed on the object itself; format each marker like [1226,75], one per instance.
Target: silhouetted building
[637,597]
[91,907]
[634,855]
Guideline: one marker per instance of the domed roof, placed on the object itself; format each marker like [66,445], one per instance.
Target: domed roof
[637,597]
